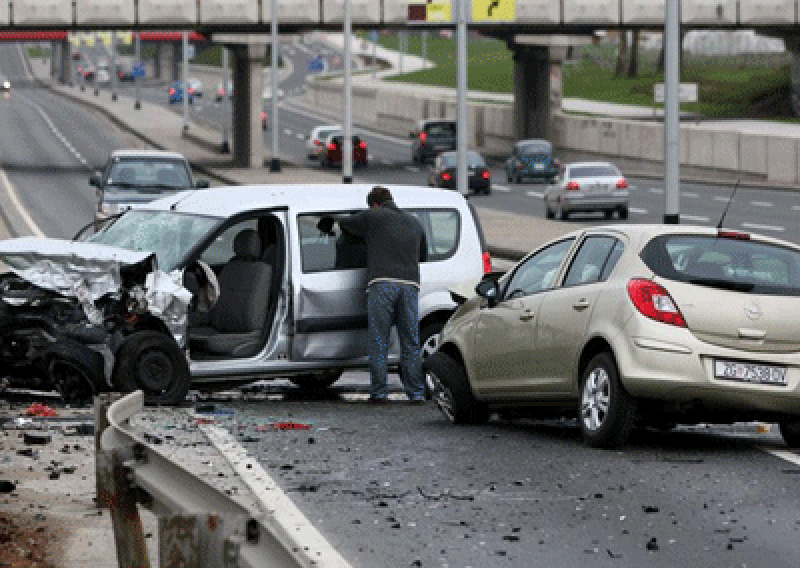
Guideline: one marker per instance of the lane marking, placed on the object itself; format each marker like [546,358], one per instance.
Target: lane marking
[762,227]
[656,191]
[637,211]
[697,218]
[12,194]
[722,199]
[501,188]
[386,162]
[795,207]
[761,204]
[689,194]
[54,129]
[782,454]
[538,194]
[412,169]
[300,136]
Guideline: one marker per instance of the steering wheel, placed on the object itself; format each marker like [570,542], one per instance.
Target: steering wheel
[208,284]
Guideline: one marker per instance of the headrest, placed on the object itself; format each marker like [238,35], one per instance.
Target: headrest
[247,245]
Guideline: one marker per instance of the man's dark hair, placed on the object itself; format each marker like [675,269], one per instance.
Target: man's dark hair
[379,196]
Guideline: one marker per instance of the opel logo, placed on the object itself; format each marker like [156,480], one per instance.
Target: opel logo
[753,312]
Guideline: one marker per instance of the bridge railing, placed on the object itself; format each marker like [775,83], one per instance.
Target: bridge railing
[249,15]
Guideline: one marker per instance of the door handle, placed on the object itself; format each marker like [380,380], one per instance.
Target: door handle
[581,304]
[526,315]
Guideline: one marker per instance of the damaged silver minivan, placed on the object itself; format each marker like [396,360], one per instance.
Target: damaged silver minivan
[217,287]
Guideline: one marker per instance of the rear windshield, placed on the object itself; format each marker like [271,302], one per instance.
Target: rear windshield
[740,265]
[474,160]
[440,129]
[536,149]
[593,171]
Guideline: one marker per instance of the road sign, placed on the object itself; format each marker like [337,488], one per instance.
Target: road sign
[139,70]
[439,12]
[316,64]
[494,10]
[687,92]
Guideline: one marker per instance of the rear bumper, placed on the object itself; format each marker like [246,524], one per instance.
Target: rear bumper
[593,203]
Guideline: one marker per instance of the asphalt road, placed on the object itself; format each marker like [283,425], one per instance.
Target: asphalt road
[398,486]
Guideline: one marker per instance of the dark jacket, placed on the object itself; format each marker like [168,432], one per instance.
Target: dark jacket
[395,242]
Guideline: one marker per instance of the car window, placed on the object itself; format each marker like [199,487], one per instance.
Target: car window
[148,172]
[321,252]
[536,149]
[744,265]
[593,171]
[538,272]
[589,264]
[220,251]
[440,129]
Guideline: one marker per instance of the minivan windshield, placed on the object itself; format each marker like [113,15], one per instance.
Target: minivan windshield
[726,263]
[170,235]
[135,174]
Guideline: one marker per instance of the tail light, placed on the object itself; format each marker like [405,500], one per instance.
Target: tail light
[263,116]
[317,142]
[446,176]
[191,91]
[331,146]
[487,262]
[622,184]
[654,302]
[172,91]
[486,174]
[573,186]
[363,145]
[423,136]
[735,235]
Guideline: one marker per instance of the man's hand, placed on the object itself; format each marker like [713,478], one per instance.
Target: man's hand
[325,225]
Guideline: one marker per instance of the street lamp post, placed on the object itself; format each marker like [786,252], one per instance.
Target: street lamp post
[275,163]
[185,81]
[136,79]
[462,182]
[671,112]
[347,148]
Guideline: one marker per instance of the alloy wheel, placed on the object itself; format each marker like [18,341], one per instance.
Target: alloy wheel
[441,395]
[596,399]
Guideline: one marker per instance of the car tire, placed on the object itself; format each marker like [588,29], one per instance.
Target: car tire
[451,392]
[152,362]
[607,413]
[509,179]
[316,381]
[429,337]
[548,213]
[561,214]
[791,433]
[608,213]
[623,212]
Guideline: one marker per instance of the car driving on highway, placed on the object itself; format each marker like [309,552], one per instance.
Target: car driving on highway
[218,287]
[443,172]
[626,325]
[131,178]
[315,142]
[585,187]
[430,138]
[531,159]
[331,155]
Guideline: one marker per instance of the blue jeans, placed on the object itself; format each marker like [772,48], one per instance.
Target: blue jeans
[393,303]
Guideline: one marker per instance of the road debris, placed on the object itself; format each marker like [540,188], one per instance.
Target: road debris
[41,410]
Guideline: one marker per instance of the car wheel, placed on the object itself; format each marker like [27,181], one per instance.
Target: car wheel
[451,392]
[509,179]
[607,412]
[75,374]
[316,381]
[623,212]
[791,433]
[153,363]
[548,212]
[518,179]
[561,214]
[429,338]
[608,213]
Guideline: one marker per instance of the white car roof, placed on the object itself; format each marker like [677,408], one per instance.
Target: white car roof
[224,202]
[146,154]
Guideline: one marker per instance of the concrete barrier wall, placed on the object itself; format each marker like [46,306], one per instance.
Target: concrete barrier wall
[492,132]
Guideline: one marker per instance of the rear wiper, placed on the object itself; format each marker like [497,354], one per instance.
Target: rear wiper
[724,284]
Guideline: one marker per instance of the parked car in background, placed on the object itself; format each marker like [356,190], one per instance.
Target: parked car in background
[132,178]
[125,75]
[216,287]
[621,326]
[331,156]
[531,159]
[195,87]
[430,138]
[587,186]
[443,172]
[315,142]
[175,93]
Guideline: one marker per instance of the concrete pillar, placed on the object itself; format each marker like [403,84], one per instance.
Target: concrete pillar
[157,58]
[177,61]
[793,46]
[247,72]
[531,92]
[54,52]
[66,55]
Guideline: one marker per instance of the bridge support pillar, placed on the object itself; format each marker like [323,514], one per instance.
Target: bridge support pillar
[793,46]
[65,57]
[248,85]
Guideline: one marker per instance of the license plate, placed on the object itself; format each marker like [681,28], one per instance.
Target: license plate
[538,166]
[750,372]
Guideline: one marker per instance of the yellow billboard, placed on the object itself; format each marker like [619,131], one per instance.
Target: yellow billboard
[439,12]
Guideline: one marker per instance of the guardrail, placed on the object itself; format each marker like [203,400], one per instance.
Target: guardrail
[198,524]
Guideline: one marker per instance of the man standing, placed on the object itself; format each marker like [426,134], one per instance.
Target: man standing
[395,244]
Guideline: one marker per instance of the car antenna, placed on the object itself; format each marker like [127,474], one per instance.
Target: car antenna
[733,193]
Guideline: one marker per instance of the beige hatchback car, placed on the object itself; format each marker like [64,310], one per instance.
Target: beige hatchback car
[631,325]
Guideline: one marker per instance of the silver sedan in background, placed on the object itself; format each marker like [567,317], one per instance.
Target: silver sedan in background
[587,186]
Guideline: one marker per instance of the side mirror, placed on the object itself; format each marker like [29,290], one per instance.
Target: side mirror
[96,179]
[202,184]
[487,288]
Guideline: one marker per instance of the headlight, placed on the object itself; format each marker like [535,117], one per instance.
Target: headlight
[16,301]
[7,85]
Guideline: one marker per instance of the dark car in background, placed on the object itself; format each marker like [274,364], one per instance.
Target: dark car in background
[332,155]
[443,173]
[532,159]
[431,138]
[135,177]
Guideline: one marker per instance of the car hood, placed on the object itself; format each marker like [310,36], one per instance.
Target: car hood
[88,271]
